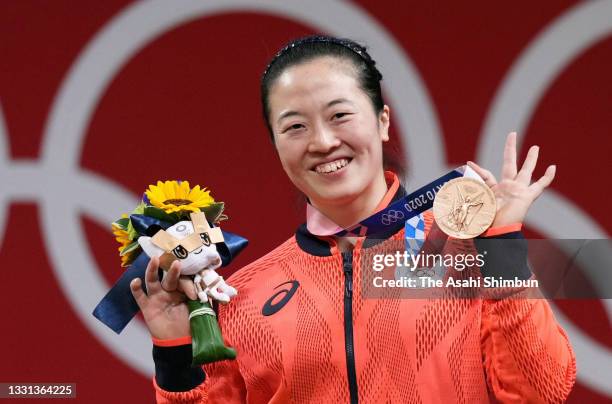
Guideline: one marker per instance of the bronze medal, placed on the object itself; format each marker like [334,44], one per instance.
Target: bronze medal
[464,208]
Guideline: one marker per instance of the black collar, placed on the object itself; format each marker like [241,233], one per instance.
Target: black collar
[319,247]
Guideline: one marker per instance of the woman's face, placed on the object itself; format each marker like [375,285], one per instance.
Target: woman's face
[328,137]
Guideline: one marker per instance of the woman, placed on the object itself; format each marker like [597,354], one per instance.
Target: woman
[301,326]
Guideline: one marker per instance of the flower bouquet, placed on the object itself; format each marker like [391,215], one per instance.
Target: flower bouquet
[176,222]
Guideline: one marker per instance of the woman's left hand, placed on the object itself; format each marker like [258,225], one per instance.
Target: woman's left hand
[515,193]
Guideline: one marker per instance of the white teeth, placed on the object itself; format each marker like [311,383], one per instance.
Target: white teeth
[331,167]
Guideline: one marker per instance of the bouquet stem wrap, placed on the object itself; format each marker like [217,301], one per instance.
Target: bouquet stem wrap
[207,342]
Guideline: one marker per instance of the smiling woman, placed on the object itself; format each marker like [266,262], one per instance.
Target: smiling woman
[323,106]
[321,340]
[329,138]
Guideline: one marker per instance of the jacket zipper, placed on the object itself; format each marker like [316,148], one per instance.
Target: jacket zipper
[347,264]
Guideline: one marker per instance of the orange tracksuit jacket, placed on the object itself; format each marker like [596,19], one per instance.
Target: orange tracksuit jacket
[304,334]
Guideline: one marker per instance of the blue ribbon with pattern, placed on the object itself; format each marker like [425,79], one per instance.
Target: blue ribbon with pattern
[403,209]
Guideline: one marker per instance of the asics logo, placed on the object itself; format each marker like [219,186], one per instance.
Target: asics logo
[271,307]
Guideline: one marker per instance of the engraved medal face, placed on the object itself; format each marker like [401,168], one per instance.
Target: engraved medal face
[464,208]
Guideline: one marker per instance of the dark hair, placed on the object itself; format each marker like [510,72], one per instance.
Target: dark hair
[311,47]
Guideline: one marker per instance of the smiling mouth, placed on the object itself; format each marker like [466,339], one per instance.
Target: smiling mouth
[332,166]
[199,251]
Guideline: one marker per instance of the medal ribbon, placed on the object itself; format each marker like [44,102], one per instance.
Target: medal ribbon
[403,209]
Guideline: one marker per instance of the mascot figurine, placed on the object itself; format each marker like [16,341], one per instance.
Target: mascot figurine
[176,222]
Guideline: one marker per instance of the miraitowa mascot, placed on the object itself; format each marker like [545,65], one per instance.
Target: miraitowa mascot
[176,222]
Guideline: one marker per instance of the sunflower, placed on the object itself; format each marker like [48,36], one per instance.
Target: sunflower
[176,196]
[123,238]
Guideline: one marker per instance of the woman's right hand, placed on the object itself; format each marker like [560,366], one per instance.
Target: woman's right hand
[163,306]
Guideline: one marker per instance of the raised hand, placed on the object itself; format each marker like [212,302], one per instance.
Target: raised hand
[515,193]
[163,307]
